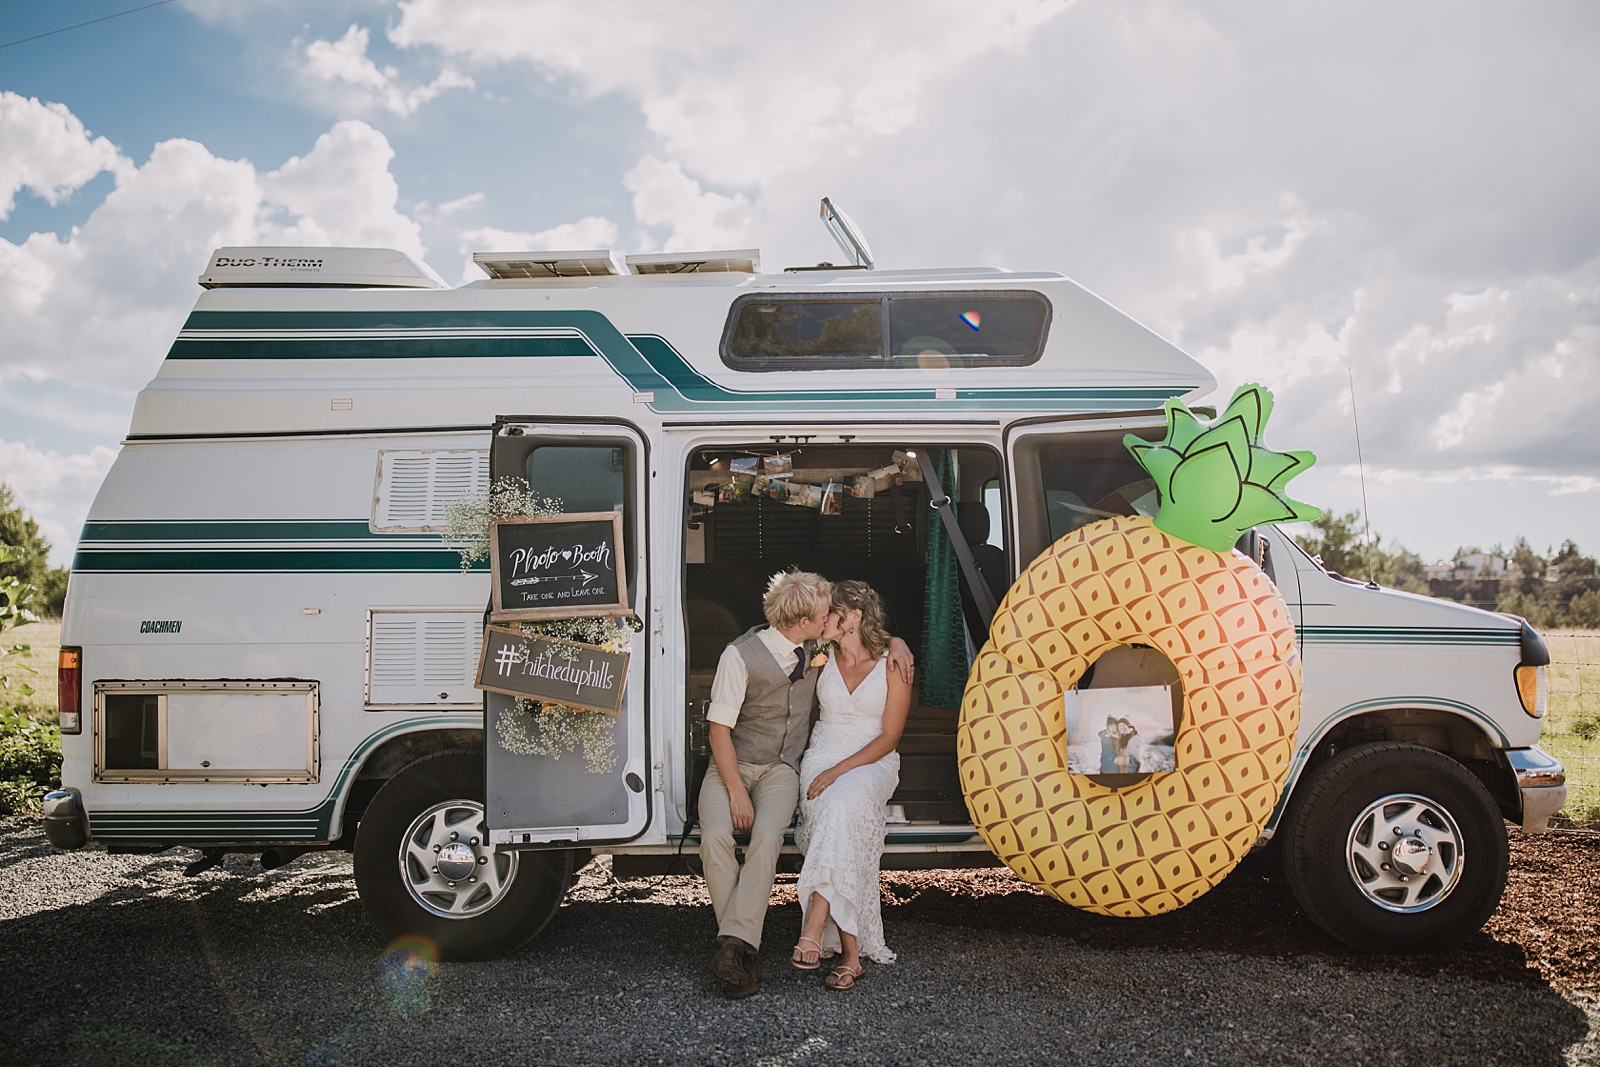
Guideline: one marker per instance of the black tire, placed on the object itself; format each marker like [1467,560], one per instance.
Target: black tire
[1325,850]
[530,895]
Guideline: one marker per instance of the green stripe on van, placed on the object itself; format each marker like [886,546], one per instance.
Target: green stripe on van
[259,547]
[647,363]
[1409,635]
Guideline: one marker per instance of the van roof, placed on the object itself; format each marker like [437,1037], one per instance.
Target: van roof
[650,348]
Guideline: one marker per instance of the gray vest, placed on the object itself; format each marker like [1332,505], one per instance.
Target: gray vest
[775,718]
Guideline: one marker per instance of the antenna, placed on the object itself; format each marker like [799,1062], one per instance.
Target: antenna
[1361,467]
[844,231]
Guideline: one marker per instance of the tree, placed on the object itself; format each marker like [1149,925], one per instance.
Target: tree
[1583,610]
[1339,540]
[1529,563]
[1573,564]
[31,562]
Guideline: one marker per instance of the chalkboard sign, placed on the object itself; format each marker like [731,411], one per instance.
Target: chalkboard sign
[558,567]
[551,670]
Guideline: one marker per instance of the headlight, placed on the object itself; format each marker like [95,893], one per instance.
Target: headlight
[1532,689]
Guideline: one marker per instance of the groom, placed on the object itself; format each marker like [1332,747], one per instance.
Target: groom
[760,719]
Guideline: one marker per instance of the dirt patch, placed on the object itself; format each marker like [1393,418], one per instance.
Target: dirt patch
[1547,928]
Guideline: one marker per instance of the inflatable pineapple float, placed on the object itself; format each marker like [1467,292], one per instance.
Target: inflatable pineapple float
[1173,583]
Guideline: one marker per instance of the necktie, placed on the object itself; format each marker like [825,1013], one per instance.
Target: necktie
[799,671]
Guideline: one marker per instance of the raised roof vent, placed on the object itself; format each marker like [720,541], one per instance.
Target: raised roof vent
[594,263]
[318,268]
[737,261]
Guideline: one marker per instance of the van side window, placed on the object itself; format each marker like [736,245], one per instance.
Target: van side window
[595,474]
[582,477]
[813,331]
[1068,483]
[1084,483]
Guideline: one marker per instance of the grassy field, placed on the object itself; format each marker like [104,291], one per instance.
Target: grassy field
[1571,732]
[42,639]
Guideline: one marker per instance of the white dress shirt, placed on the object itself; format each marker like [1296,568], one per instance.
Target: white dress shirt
[727,689]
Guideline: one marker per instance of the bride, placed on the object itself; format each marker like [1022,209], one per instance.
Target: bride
[846,777]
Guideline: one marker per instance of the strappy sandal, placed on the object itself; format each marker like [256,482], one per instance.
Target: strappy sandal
[798,957]
[843,977]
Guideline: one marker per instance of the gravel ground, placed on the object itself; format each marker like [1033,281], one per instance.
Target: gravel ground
[121,959]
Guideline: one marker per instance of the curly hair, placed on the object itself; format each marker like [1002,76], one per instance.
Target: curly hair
[852,596]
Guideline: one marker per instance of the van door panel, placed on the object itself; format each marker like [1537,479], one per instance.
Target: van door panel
[538,799]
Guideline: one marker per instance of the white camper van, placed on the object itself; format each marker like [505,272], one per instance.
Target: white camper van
[268,647]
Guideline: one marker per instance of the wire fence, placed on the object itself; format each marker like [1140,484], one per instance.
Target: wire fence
[1572,728]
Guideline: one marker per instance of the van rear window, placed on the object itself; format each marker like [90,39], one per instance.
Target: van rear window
[813,331]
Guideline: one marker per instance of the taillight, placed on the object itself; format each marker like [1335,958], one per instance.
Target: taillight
[1532,689]
[69,687]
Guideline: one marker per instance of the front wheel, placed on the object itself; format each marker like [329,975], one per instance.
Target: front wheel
[424,866]
[1395,848]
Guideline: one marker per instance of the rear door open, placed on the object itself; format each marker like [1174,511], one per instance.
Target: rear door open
[538,798]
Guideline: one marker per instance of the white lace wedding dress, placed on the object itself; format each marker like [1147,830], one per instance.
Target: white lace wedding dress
[841,832]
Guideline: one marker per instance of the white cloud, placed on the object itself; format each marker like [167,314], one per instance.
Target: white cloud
[100,306]
[55,489]
[664,196]
[44,148]
[344,66]
[587,233]
[738,91]
[341,193]
[471,200]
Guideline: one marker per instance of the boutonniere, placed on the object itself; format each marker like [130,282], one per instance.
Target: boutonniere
[820,657]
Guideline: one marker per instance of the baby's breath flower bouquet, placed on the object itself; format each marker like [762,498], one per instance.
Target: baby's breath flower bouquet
[467,519]
[530,727]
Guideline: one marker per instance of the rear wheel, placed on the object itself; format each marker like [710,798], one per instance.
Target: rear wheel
[424,866]
[1395,848]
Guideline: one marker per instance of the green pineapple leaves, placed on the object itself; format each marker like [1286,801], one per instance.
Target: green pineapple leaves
[1217,481]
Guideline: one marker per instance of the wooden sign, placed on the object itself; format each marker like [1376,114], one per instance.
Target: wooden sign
[558,567]
[552,671]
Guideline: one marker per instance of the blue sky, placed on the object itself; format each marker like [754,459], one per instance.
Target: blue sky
[1289,193]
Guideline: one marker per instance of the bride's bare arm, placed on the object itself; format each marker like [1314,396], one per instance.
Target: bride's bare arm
[895,711]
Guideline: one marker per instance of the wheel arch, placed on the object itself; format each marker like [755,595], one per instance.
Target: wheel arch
[386,759]
[1458,730]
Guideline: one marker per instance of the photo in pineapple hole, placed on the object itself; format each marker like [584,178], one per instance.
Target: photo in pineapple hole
[1120,730]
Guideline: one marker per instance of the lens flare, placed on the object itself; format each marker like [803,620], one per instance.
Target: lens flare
[403,975]
[972,318]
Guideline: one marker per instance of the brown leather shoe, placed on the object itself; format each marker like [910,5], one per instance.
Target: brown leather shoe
[752,967]
[729,962]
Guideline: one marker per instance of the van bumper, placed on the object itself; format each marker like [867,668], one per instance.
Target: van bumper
[1542,782]
[64,824]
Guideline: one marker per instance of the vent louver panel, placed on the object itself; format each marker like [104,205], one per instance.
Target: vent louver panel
[423,658]
[415,488]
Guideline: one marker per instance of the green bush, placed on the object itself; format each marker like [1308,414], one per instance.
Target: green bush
[30,751]
[30,761]
[1583,610]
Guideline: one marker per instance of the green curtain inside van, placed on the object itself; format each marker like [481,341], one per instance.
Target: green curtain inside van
[942,666]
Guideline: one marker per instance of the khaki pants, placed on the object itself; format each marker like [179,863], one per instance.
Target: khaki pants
[739,895]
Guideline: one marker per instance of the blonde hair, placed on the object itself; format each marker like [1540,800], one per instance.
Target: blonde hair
[854,596]
[794,595]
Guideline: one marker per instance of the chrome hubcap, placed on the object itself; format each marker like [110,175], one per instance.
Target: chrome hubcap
[448,865]
[1405,853]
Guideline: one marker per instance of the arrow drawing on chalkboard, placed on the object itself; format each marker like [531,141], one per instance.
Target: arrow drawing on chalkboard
[585,575]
